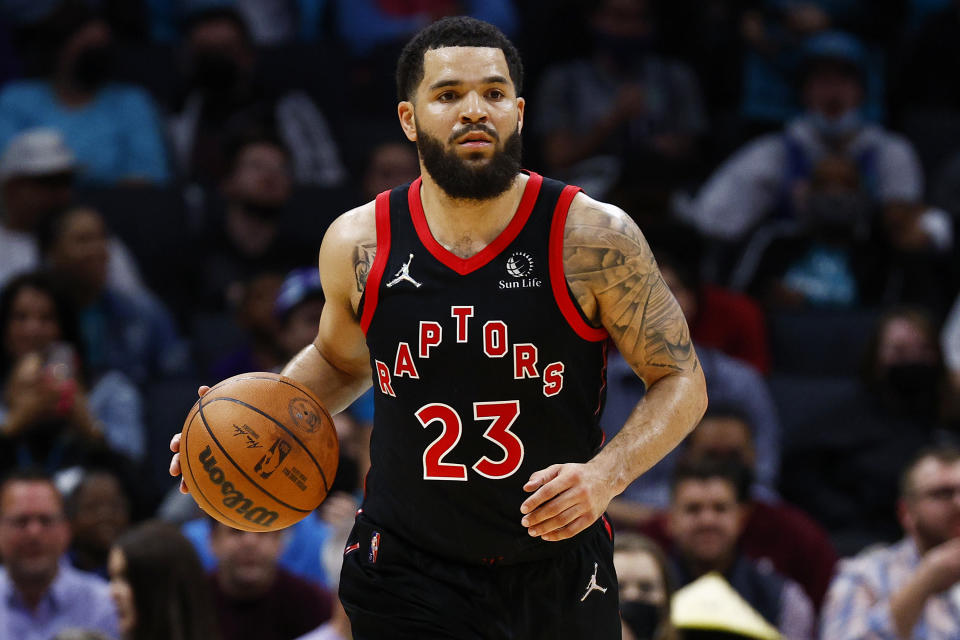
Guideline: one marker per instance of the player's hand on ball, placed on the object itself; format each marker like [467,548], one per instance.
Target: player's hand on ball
[175,448]
[567,498]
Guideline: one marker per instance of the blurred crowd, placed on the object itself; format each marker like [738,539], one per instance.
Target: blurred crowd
[168,169]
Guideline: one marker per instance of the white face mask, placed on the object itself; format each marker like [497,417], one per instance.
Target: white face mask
[842,126]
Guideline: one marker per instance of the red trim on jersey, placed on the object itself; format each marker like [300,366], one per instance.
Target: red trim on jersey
[351,548]
[372,287]
[606,524]
[463,266]
[558,280]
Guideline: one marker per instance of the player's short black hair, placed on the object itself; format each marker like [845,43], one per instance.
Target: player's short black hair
[734,472]
[458,31]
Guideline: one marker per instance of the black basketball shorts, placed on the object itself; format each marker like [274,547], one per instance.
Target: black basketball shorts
[393,591]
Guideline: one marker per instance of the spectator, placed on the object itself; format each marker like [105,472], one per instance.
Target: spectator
[706,519]
[130,333]
[338,626]
[908,589]
[775,533]
[79,634]
[624,116]
[645,588]
[254,596]
[299,549]
[223,99]
[37,173]
[157,584]
[40,594]
[389,164]
[824,258]
[709,609]
[98,509]
[113,128]
[764,179]
[255,315]
[55,411]
[838,469]
[243,237]
[730,383]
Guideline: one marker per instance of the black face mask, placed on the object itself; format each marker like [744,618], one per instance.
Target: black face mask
[262,211]
[912,378]
[459,180]
[642,618]
[214,72]
[93,67]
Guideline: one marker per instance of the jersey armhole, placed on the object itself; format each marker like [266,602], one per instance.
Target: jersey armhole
[558,280]
[371,290]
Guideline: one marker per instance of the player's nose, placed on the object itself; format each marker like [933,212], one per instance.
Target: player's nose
[473,108]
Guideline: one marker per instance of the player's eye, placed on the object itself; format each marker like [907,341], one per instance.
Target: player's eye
[446,96]
[496,94]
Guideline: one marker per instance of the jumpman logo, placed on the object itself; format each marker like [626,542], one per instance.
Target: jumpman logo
[404,274]
[592,585]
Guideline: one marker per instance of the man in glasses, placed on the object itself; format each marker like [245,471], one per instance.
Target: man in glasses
[40,594]
[909,589]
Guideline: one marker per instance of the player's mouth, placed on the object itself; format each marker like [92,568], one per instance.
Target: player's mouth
[475,140]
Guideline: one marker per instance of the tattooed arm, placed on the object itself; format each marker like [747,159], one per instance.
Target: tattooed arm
[337,365]
[615,280]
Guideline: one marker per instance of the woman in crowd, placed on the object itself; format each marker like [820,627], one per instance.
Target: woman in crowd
[645,588]
[158,586]
[51,411]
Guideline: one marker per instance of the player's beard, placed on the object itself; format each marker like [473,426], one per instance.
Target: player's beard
[458,178]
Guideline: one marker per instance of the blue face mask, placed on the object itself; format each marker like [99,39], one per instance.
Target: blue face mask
[843,126]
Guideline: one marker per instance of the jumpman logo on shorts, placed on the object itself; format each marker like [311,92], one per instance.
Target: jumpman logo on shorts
[592,585]
[404,274]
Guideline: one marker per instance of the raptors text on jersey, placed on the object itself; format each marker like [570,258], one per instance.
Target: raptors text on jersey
[484,371]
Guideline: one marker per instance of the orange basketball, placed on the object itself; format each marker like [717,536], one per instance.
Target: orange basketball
[258,452]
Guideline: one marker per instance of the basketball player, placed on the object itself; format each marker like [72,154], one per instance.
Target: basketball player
[478,301]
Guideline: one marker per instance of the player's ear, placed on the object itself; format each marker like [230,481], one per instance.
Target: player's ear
[408,120]
[521,105]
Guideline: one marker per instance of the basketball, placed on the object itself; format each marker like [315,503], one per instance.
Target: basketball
[258,452]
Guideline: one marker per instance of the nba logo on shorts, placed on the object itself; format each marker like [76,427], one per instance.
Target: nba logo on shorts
[374,546]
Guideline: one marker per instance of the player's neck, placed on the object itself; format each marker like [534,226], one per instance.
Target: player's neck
[465,227]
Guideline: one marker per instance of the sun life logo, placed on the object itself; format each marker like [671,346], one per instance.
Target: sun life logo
[520,264]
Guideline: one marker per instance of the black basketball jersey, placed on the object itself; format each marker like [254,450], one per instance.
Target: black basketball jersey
[484,372]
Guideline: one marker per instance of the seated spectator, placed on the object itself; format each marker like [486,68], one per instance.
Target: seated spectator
[242,237]
[838,469]
[37,172]
[645,587]
[55,410]
[223,98]
[130,333]
[823,258]
[730,383]
[254,596]
[41,594]
[626,115]
[389,164]
[707,516]
[766,178]
[114,129]
[158,586]
[98,509]
[299,549]
[255,315]
[775,532]
[908,589]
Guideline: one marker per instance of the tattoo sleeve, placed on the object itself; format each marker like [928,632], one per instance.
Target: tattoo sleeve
[363,261]
[615,279]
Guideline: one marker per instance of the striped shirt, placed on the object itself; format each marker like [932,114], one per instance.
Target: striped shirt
[858,602]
